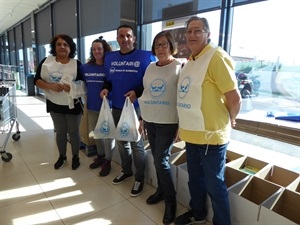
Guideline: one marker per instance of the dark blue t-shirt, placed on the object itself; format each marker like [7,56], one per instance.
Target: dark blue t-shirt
[125,72]
[94,77]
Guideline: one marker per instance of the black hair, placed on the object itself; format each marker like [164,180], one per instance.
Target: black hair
[67,39]
[125,26]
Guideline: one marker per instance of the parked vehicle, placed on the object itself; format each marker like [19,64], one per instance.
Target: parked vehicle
[248,87]
[256,84]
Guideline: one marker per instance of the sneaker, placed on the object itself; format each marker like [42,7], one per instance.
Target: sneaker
[75,162]
[121,178]
[137,188]
[106,167]
[187,219]
[97,162]
[60,162]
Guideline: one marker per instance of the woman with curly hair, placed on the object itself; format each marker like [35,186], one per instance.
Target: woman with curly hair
[56,75]
[94,77]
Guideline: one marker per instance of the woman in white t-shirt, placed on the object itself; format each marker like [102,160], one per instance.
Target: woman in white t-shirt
[159,115]
[56,75]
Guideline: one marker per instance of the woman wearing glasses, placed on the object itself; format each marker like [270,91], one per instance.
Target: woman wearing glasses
[158,110]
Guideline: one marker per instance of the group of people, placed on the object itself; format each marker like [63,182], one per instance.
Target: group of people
[198,100]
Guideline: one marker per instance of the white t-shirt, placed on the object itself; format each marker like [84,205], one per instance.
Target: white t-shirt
[52,72]
[158,101]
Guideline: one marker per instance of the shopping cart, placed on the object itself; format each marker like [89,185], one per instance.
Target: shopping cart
[8,115]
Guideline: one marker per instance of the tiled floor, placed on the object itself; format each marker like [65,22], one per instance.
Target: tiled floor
[32,192]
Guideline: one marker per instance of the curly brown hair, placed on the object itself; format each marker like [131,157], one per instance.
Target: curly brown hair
[106,47]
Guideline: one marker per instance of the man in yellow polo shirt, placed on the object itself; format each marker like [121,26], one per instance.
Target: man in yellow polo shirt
[208,102]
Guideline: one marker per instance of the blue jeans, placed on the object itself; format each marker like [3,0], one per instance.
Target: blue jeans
[206,175]
[161,138]
[67,124]
[129,150]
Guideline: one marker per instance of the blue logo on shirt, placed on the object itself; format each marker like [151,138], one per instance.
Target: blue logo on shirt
[55,77]
[112,70]
[157,88]
[137,64]
[184,87]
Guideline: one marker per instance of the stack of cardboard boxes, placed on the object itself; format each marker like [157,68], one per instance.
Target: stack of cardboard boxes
[259,193]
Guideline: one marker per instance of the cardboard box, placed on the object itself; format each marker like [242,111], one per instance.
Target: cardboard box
[146,144]
[278,175]
[116,156]
[288,135]
[183,192]
[245,204]
[231,156]
[248,165]
[246,125]
[177,159]
[150,172]
[285,210]
[295,185]
[266,130]
[178,146]
[85,136]
[234,177]
[235,180]
[89,150]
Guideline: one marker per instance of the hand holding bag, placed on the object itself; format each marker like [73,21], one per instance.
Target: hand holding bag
[105,127]
[128,125]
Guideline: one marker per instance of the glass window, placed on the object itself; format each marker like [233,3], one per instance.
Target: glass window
[154,10]
[265,44]
[31,63]
[20,76]
[177,28]
[43,51]
[110,37]
[12,55]
[101,15]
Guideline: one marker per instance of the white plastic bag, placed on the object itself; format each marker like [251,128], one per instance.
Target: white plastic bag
[128,125]
[105,127]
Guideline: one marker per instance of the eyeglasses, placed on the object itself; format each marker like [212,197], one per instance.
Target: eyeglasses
[196,32]
[163,45]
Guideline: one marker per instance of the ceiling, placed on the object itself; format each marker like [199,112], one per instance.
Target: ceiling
[12,11]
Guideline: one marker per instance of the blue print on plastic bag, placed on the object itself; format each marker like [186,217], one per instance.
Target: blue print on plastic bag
[124,131]
[105,127]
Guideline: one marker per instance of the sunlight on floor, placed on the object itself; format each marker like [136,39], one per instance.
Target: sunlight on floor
[65,195]
[35,189]
[20,192]
[75,209]
[38,218]
[99,221]
[58,184]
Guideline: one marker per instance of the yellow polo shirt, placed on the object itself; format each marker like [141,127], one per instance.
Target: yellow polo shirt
[219,79]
